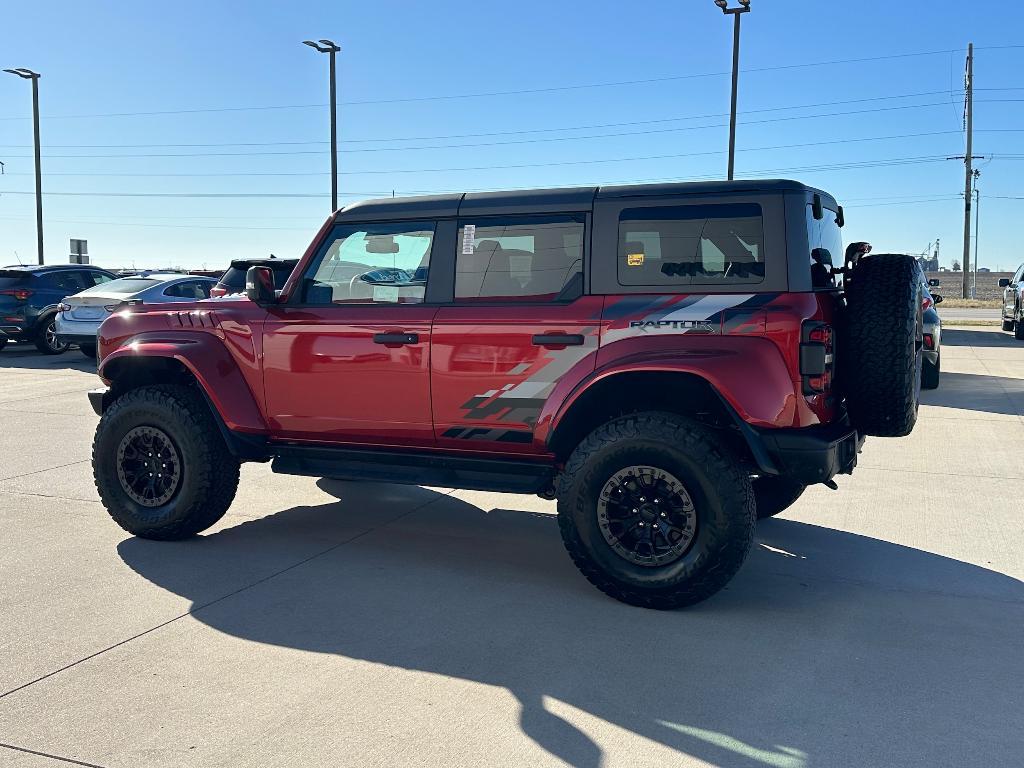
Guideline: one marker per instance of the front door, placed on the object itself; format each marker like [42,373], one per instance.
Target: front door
[518,324]
[347,358]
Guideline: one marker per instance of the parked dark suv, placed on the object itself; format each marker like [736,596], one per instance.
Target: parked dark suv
[671,362]
[233,279]
[29,296]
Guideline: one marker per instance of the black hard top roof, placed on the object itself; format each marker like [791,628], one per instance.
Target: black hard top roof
[553,200]
[263,262]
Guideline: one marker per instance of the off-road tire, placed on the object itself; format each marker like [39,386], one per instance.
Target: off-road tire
[720,489]
[880,345]
[1007,324]
[46,337]
[89,350]
[1018,325]
[776,493]
[930,373]
[209,473]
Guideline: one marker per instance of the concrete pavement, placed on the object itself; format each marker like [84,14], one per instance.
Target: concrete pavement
[327,623]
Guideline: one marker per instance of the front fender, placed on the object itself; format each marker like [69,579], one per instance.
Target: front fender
[207,359]
[748,373]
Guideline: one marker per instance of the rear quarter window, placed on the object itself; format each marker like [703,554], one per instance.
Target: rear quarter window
[691,245]
[826,244]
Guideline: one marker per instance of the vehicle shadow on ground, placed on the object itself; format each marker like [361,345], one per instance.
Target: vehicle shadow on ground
[828,647]
[23,355]
[973,392]
[964,337]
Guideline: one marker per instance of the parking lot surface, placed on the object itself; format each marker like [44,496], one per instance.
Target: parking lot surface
[328,623]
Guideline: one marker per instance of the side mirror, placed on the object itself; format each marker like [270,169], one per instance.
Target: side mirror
[933,282]
[937,298]
[259,285]
[1004,282]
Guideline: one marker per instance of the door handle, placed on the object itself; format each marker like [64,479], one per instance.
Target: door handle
[558,339]
[396,338]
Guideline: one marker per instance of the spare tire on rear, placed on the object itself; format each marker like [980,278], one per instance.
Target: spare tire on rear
[879,350]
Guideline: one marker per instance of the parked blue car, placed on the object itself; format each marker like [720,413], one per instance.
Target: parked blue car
[29,296]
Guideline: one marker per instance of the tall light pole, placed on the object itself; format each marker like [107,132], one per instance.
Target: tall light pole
[736,13]
[330,48]
[28,74]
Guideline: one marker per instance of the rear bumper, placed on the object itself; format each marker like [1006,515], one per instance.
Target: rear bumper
[76,338]
[811,454]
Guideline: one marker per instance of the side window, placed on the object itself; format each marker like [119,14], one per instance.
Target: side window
[202,289]
[518,258]
[1019,276]
[95,278]
[190,289]
[71,281]
[371,264]
[691,245]
[826,242]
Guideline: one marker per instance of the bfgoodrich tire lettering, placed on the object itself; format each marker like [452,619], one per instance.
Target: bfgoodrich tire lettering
[208,472]
[720,491]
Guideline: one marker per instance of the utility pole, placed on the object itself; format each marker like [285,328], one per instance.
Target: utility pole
[28,74]
[330,48]
[969,85]
[744,7]
[977,231]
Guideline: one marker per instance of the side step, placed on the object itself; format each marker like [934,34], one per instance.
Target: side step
[444,471]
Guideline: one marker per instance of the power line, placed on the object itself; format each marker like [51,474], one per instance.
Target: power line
[515,92]
[507,133]
[488,144]
[659,157]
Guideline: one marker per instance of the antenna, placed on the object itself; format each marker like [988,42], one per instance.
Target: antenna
[20,262]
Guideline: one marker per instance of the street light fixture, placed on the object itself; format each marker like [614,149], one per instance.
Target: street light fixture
[744,6]
[330,48]
[28,74]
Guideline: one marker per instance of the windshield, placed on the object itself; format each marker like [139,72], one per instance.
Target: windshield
[125,285]
[826,244]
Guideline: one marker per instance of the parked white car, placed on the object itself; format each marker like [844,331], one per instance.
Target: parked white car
[79,316]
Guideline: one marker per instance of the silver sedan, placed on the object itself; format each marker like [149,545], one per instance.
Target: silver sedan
[79,316]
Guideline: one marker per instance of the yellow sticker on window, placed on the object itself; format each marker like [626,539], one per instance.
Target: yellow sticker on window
[634,259]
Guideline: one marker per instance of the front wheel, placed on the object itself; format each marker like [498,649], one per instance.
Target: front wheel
[46,338]
[1007,324]
[1018,325]
[655,511]
[160,464]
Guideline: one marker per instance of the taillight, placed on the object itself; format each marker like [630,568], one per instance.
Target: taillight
[929,341]
[817,357]
[927,302]
[62,307]
[21,294]
[218,291]
[116,307]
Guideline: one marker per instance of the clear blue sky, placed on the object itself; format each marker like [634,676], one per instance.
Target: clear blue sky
[102,58]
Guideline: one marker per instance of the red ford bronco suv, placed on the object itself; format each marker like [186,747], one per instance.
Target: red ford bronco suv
[669,361]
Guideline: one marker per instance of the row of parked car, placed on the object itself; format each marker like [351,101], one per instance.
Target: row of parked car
[59,305]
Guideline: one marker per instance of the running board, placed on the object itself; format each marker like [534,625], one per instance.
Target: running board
[406,468]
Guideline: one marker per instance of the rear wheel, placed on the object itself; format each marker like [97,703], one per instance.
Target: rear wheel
[160,464]
[1018,325]
[655,511]
[881,345]
[776,493]
[46,338]
[930,373]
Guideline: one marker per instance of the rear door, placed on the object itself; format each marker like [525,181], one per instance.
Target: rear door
[518,324]
[347,358]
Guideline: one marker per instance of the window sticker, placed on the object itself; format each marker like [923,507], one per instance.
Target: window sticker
[385,293]
[634,259]
[468,239]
